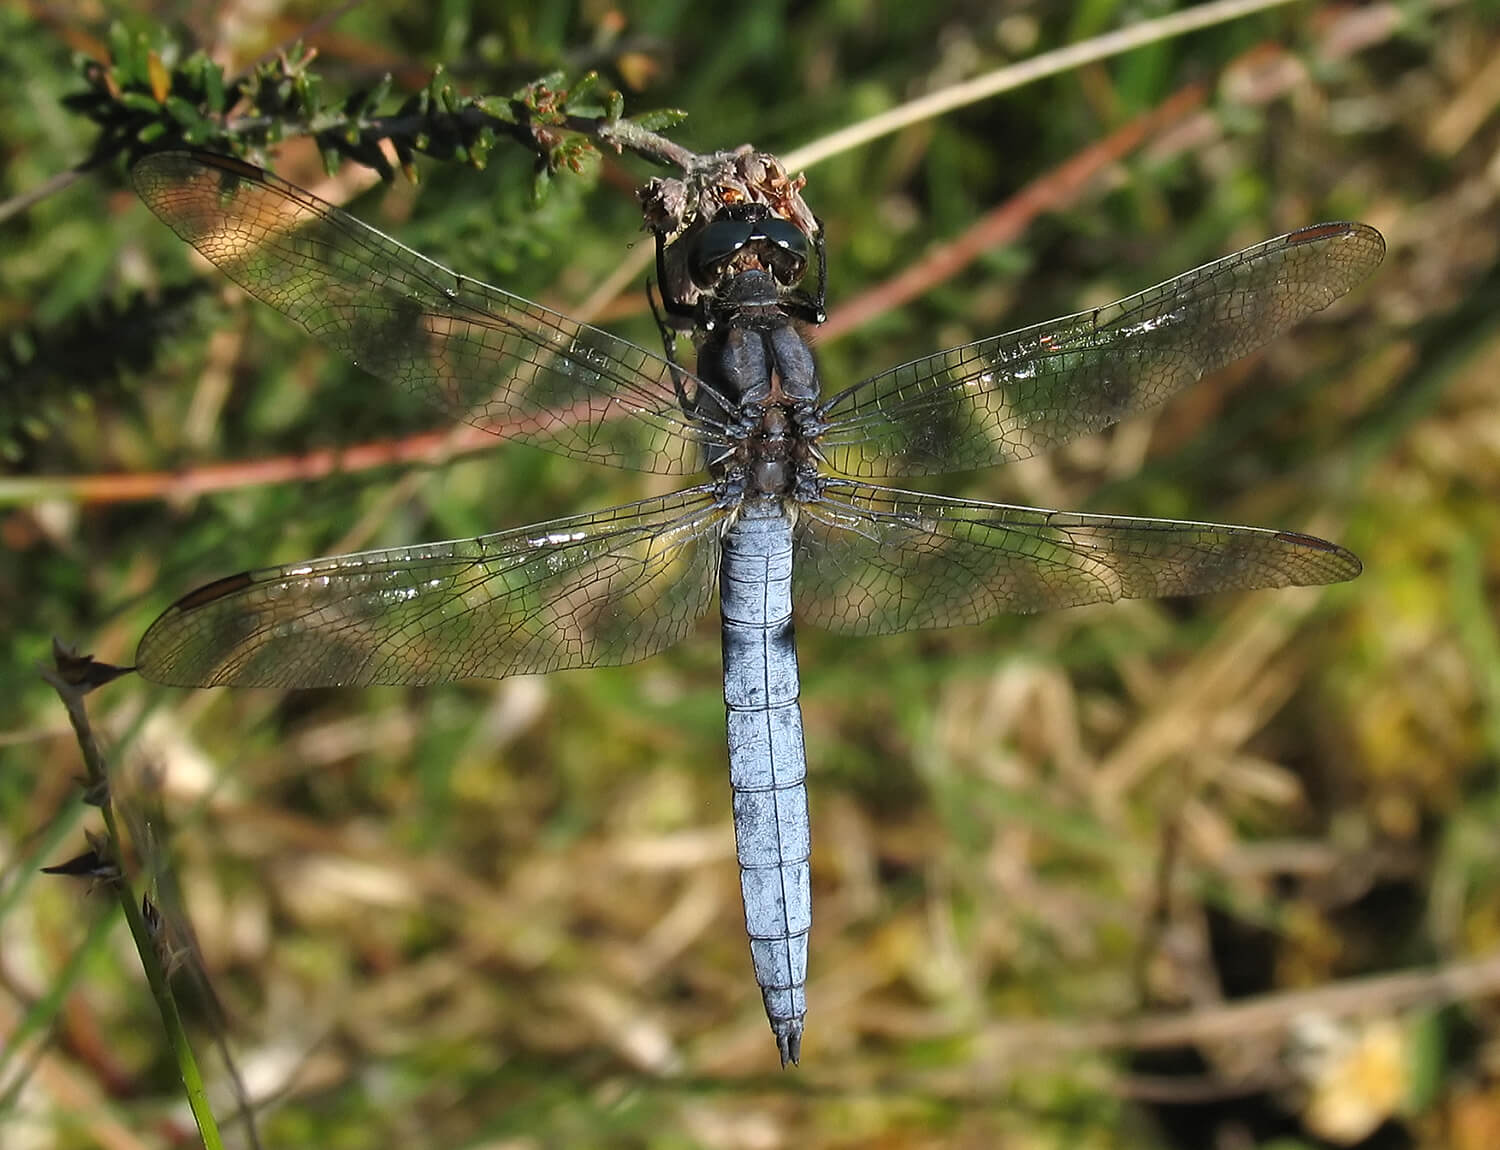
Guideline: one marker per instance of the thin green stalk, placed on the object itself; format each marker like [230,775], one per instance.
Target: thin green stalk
[112,870]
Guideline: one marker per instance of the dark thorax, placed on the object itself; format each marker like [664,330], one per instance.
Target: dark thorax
[761,382]
[757,362]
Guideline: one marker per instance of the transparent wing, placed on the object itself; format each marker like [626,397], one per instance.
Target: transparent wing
[1029,391]
[494,359]
[873,560]
[606,588]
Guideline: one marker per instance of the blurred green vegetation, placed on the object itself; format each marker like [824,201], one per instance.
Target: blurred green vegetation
[507,915]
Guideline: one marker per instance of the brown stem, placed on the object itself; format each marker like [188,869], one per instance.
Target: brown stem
[1050,192]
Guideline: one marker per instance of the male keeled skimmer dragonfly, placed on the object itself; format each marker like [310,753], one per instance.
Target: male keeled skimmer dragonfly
[785,517]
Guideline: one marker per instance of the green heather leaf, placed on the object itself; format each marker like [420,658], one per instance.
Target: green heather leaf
[213,84]
[139,102]
[584,90]
[182,111]
[541,184]
[660,119]
[122,54]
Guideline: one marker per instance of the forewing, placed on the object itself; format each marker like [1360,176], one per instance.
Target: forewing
[874,560]
[496,360]
[1029,391]
[589,590]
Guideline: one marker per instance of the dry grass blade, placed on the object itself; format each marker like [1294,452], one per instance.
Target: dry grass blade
[1014,76]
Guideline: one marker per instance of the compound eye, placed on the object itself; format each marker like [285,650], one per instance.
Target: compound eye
[785,235]
[786,246]
[716,245]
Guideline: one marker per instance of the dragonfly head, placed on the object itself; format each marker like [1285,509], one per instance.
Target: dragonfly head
[747,237]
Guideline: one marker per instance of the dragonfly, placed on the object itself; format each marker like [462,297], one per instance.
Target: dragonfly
[787,525]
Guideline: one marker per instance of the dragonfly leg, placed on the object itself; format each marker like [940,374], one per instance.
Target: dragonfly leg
[660,311]
[812,307]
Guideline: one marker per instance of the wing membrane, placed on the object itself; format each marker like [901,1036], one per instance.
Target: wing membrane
[604,588]
[481,354]
[874,560]
[1020,394]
